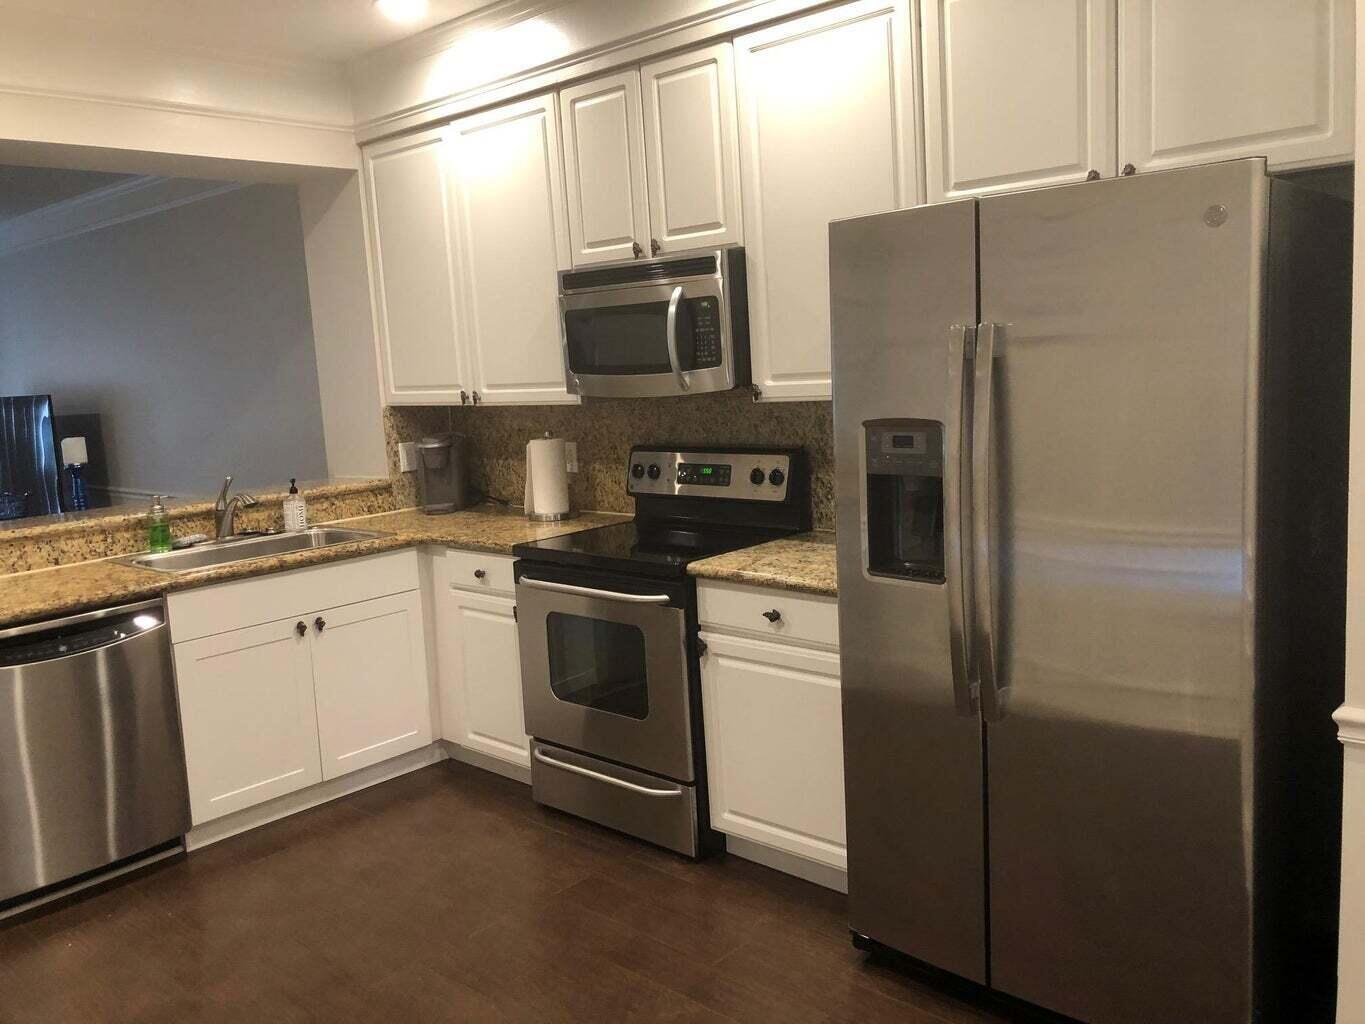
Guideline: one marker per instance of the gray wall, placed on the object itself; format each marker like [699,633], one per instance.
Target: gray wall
[187,332]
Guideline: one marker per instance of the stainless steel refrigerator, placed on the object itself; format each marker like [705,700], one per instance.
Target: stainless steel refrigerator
[1091,465]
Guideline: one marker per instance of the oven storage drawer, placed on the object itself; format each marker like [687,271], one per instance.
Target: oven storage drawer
[655,809]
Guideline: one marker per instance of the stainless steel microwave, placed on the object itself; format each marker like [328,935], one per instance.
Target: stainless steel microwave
[650,328]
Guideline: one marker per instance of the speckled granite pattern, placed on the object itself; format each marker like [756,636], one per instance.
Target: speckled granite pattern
[604,430]
[51,593]
[804,563]
[62,540]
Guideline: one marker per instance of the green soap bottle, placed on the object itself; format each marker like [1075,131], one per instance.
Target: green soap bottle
[159,526]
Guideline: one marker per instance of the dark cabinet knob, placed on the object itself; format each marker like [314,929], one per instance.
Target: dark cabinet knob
[300,628]
[654,246]
[773,615]
[479,574]
[635,248]
[319,623]
[1128,170]
[1092,175]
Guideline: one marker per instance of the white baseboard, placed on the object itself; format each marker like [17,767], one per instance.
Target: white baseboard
[788,863]
[282,807]
[1351,954]
[478,759]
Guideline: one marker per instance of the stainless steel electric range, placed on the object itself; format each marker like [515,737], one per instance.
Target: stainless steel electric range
[607,624]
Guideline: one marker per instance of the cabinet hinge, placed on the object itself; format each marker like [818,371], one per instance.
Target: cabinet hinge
[514,614]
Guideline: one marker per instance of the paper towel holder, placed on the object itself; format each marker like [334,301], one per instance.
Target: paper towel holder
[543,517]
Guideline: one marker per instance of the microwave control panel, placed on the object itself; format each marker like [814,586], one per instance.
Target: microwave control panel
[706,326]
[748,476]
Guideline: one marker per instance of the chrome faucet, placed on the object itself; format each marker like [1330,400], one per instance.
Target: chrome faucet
[225,510]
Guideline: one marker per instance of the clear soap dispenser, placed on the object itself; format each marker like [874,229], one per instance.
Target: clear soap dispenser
[158,526]
[295,509]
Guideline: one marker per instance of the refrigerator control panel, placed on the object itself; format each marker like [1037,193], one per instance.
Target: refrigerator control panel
[903,496]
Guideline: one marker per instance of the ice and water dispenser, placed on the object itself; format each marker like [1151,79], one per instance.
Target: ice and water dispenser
[904,494]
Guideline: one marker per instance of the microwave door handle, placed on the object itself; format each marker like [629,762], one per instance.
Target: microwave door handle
[671,338]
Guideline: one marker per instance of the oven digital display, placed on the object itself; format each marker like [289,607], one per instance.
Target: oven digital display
[712,475]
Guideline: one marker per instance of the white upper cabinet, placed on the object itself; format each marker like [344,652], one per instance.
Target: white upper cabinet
[1017,94]
[1219,79]
[604,168]
[827,130]
[512,238]
[413,270]
[691,150]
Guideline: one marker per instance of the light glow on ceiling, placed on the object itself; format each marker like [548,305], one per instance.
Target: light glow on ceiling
[404,12]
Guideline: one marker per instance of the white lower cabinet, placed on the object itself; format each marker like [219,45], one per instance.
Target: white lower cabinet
[774,732]
[369,672]
[478,659]
[247,711]
[337,683]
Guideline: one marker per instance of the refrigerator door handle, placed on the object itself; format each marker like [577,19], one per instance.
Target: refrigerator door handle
[993,694]
[961,351]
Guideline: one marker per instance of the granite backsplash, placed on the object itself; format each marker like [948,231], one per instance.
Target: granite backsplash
[605,430]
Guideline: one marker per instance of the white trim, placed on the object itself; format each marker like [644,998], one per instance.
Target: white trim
[1350,725]
[788,863]
[488,763]
[172,107]
[401,59]
[119,203]
[325,792]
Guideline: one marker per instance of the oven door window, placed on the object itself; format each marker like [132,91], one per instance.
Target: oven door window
[622,340]
[598,664]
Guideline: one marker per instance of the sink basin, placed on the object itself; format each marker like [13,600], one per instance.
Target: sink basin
[241,549]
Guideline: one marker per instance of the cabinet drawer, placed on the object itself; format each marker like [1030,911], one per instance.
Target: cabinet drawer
[249,602]
[463,568]
[801,618]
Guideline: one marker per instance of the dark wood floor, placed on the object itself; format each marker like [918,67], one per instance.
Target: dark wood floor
[447,895]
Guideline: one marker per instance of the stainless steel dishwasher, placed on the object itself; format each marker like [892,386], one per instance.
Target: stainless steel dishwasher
[92,766]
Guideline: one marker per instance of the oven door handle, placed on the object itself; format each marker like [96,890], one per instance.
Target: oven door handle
[605,595]
[544,758]
[671,339]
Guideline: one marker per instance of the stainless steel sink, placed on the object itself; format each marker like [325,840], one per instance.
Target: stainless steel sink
[241,549]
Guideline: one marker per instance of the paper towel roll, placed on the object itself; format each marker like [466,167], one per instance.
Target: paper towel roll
[547,479]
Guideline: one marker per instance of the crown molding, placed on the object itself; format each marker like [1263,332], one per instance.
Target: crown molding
[406,56]
[1350,725]
[118,203]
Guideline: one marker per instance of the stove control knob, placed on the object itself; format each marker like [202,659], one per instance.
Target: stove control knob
[654,471]
[776,477]
[756,476]
[637,471]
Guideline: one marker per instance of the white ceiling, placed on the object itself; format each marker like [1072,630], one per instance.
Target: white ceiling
[24,189]
[296,30]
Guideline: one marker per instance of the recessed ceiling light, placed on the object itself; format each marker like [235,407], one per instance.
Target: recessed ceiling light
[402,11]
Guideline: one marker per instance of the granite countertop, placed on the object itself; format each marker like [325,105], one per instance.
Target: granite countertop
[65,590]
[804,563]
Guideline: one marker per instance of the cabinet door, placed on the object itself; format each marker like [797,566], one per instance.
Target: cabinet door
[413,270]
[1017,95]
[246,708]
[692,150]
[369,671]
[774,746]
[1220,79]
[512,238]
[604,167]
[480,675]
[826,130]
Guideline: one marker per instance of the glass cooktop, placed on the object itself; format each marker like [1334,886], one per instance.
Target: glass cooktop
[647,549]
